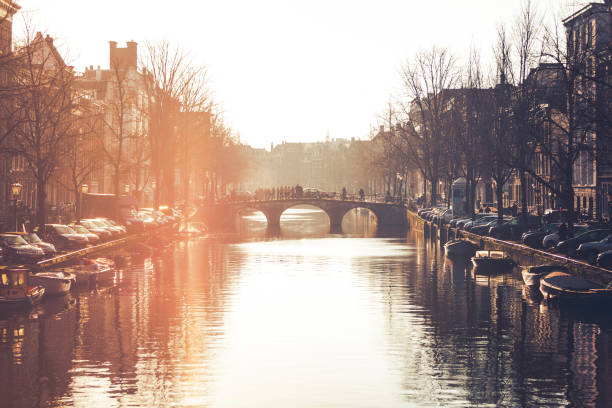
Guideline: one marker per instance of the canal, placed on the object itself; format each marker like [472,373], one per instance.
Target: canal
[302,318]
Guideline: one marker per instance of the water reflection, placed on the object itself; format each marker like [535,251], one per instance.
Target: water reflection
[312,222]
[304,321]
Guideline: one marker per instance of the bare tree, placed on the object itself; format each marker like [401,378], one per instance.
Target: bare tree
[425,80]
[82,152]
[44,101]
[500,168]
[527,51]
[476,128]
[170,77]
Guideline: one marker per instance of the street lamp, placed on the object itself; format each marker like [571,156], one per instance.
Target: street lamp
[16,190]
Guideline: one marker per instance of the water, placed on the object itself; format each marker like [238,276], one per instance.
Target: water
[304,319]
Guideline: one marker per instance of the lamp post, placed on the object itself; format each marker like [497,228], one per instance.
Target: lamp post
[83,190]
[16,190]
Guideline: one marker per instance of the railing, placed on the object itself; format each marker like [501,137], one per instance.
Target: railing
[372,198]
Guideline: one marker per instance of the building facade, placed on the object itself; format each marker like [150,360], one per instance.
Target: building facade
[589,52]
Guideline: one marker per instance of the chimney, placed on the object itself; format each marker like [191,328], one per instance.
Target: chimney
[132,54]
[112,56]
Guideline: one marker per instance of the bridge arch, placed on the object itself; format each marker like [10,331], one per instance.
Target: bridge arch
[223,214]
[251,215]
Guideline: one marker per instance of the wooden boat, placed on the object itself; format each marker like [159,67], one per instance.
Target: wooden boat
[15,290]
[55,282]
[460,247]
[90,270]
[566,287]
[492,262]
[532,274]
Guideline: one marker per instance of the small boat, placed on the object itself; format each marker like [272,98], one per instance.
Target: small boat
[566,287]
[460,247]
[16,291]
[492,262]
[91,270]
[532,274]
[55,282]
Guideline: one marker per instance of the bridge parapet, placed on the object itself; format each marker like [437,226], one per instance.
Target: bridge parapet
[223,215]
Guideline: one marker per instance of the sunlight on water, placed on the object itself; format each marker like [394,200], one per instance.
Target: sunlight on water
[331,247]
[303,321]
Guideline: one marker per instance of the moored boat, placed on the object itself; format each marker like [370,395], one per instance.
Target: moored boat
[492,262]
[532,274]
[16,291]
[566,287]
[460,247]
[91,270]
[55,282]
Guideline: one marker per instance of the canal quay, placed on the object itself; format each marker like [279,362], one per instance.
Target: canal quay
[304,318]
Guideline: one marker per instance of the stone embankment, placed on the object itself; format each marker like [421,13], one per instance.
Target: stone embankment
[521,254]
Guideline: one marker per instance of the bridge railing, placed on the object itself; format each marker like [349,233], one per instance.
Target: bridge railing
[371,198]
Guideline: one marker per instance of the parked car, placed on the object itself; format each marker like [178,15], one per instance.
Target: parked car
[604,260]
[422,210]
[100,231]
[481,221]
[91,237]
[112,226]
[16,250]
[483,229]
[551,240]
[462,221]
[590,250]
[513,228]
[569,246]
[64,237]
[31,238]
[132,221]
[444,216]
[115,233]
[534,238]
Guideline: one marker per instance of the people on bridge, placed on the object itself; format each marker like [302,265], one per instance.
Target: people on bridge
[298,191]
[388,197]
[343,195]
[361,194]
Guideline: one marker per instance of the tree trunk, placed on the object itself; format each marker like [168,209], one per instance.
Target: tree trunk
[156,190]
[567,198]
[41,204]
[499,192]
[524,209]
[434,191]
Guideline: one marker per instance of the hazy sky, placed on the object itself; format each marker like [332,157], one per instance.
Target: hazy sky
[283,70]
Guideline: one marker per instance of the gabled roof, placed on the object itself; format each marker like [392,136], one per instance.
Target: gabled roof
[47,42]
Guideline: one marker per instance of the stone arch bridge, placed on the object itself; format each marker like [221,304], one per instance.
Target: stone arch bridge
[223,215]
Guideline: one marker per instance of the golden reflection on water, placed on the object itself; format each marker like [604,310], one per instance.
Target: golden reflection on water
[292,320]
